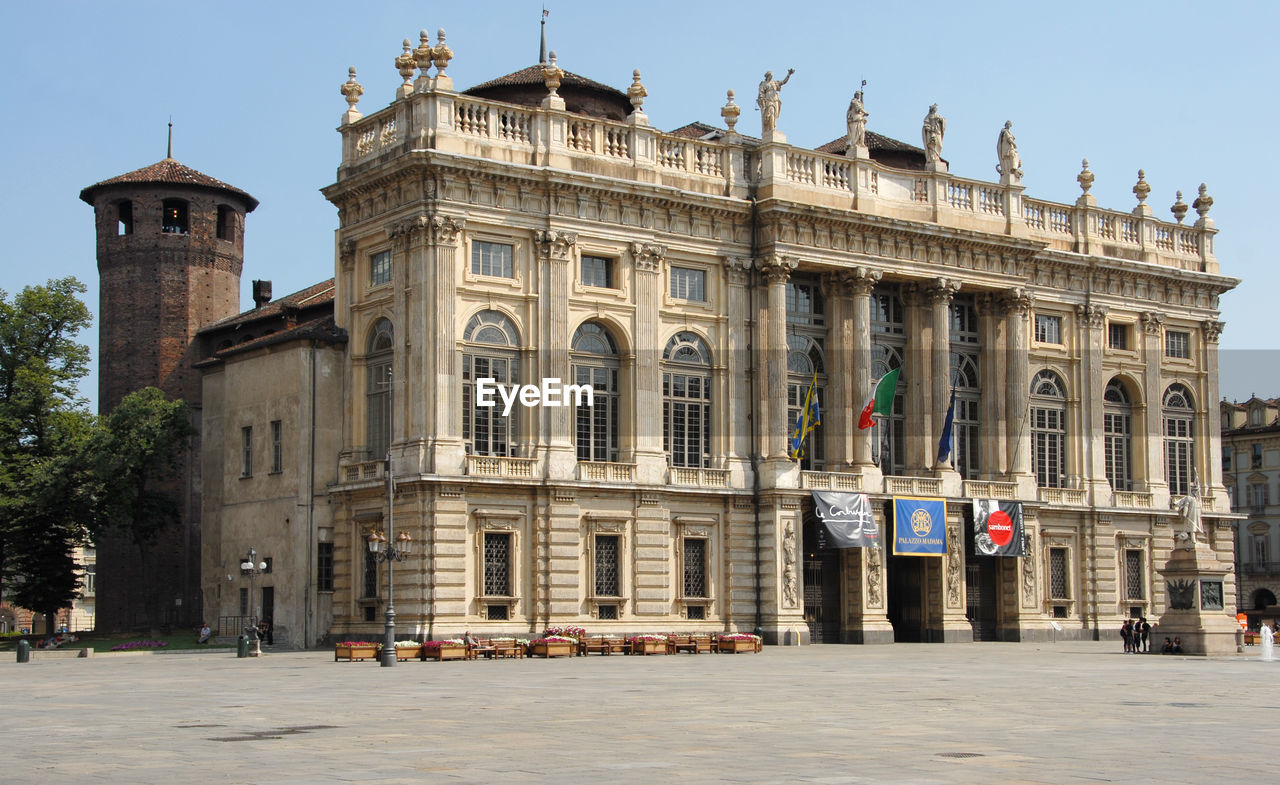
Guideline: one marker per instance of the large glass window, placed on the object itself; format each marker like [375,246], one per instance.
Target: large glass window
[378,390]
[686,401]
[597,271]
[490,355]
[324,566]
[1179,452]
[1048,328]
[496,259]
[380,268]
[1177,343]
[966,424]
[1117,423]
[888,346]
[689,284]
[595,363]
[1048,429]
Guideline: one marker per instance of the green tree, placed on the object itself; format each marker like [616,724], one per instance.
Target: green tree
[43,424]
[135,455]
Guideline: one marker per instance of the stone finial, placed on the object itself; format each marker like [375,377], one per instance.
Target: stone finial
[1141,189]
[730,112]
[551,74]
[441,54]
[1179,208]
[1203,202]
[352,90]
[405,64]
[1085,178]
[636,92]
[422,55]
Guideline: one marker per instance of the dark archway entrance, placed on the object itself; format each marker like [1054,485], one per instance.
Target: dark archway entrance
[906,582]
[982,596]
[821,584]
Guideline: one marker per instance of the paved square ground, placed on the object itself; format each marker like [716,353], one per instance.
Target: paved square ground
[958,713]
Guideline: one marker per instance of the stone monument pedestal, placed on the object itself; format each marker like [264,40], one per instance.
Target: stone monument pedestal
[1193,579]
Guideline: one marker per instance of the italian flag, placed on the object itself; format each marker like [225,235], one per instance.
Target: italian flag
[881,400]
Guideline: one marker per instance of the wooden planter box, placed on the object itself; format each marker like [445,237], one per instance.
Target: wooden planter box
[406,653]
[649,647]
[551,649]
[453,652]
[350,653]
[735,646]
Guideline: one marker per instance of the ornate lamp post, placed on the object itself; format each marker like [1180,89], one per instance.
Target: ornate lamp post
[390,547]
[253,567]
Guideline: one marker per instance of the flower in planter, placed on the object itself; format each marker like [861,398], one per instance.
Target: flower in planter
[647,638]
[358,644]
[574,633]
[554,639]
[435,645]
[407,644]
[132,645]
[738,636]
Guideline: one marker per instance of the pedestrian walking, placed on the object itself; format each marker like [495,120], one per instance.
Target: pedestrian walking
[1126,632]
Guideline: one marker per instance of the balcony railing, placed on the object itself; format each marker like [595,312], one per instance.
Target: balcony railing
[916,486]
[1130,499]
[500,466]
[601,471]
[704,478]
[830,481]
[365,470]
[1073,497]
[990,489]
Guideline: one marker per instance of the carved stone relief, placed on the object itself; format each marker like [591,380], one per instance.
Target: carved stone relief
[789,565]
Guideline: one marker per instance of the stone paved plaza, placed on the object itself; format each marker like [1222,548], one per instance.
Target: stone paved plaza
[959,713]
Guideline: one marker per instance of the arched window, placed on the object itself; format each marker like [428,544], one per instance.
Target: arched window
[1048,429]
[804,360]
[1263,598]
[378,389]
[1179,455]
[595,363]
[965,350]
[686,401]
[124,217]
[489,362]
[174,216]
[888,346]
[1117,431]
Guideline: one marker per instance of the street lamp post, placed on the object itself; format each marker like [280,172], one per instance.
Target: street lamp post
[254,567]
[390,547]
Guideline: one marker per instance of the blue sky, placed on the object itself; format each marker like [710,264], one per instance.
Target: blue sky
[1176,89]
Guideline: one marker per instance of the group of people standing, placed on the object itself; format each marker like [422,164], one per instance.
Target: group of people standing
[1137,635]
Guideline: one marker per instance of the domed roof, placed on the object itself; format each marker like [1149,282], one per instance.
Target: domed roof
[168,172]
[527,87]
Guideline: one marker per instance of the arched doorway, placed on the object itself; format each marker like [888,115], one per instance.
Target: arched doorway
[1263,598]
[821,583]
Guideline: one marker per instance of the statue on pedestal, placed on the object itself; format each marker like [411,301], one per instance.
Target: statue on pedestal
[1007,152]
[935,127]
[1192,531]
[856,118]
[769,100]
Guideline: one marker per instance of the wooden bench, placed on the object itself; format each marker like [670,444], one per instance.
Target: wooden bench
[694,644]
[507,648]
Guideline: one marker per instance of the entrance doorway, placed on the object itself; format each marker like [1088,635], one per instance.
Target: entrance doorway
[906,582]
[821,584]
[982,579]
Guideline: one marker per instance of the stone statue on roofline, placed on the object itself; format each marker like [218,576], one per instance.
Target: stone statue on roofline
[934,128]
[856,119]
[1010,165]
[769,99]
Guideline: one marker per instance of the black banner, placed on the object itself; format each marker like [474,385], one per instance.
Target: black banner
[848,518]
[997,528]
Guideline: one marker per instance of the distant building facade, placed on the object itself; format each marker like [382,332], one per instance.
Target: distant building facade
[536,227]
[1251,473]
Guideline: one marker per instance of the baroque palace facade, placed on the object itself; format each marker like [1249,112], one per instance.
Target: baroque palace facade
[536,227]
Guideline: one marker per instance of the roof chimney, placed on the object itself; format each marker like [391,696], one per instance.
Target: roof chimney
[261,293]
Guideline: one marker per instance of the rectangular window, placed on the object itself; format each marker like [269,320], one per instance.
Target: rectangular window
[695,567]
[1226,460]
[1118,336]
[1258,493]
[497,564]
[686,416]
[1256,463]
[246,451]
[324,566]
[1048,438]
[606,565]
[244,602]
[277,447]
[1048,329]
[1058,585]
[90,579]
[1116,444]
[597,271]
[1177,344]
[1261,553]
[492,259]
[687,284]
[380,268]
[1133,583]
[370,573]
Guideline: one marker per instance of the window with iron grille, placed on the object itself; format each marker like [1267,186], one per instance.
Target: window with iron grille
[597,271]
[1059,587]
[246,451]
[277,447]
[370,573]
[492,259]
[1177,344]
[324,566]
[695,567]
[1048,328]
[380,268]
[497,564]
[1133,582]
[606,566]
[695,612]
[607,612]
[1116,423]
[687,284]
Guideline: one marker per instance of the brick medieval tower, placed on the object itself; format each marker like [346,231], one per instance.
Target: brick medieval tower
[170,246]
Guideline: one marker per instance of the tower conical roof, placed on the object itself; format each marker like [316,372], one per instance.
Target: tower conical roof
[169,172]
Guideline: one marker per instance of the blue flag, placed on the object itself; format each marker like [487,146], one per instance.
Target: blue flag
[947,444]
[808,419]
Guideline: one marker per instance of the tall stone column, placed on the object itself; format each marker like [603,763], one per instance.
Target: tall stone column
[410,239]
[1151,353]
[447,456]
[1212,330]
[1017,304]
[860,283]
[992,377]
[919,404]
[1092,439]
[941,294]
[837,430]
[737,271]
[555,253]
[646,424]
[773,330]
